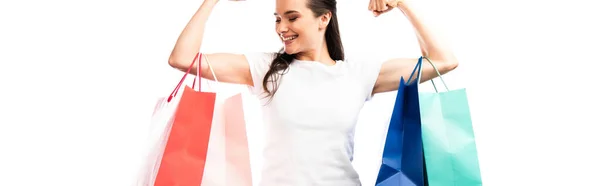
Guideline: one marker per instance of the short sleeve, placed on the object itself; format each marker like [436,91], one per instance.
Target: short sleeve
[259,65]
[367,71]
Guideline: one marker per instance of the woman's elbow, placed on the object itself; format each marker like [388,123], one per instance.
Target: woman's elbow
[447,65]
[172,62]
[175,63]
[446,62]
[452,64]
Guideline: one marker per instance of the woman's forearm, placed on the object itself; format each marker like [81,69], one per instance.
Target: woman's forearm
[190,39]
[431,46]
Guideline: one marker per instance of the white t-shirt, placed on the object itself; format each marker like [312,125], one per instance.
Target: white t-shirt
[310,121]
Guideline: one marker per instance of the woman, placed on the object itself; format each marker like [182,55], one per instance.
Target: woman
[312,96]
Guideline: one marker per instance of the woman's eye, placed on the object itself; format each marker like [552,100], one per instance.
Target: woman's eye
[277,20]
[293,19]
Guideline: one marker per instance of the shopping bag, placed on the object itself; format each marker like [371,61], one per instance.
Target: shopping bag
[220,149]
[180,133]
[228,159]
[228,154]
[402,159]
[237,168]
[448,137]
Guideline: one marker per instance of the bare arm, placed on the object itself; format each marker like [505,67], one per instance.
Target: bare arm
[230,68]
[393,69]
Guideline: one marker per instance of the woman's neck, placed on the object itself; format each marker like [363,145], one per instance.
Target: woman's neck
[320,55]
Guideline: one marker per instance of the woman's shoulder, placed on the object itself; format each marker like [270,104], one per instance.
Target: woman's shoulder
[361,63]
[260,61]
[260,56]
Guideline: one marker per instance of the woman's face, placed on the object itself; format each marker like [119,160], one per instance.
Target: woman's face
[297,27]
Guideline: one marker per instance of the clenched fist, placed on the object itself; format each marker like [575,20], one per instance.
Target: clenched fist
[379,7]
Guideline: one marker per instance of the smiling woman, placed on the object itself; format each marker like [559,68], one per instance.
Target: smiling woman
[311,94]
[299,39]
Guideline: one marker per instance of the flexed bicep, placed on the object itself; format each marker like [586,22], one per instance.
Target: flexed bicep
[229,68]
[393,70]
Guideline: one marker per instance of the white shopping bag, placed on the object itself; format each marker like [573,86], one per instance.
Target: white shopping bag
[227,159]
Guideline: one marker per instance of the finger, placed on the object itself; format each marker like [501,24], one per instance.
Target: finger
[372,5]
[381,6]
[376,13]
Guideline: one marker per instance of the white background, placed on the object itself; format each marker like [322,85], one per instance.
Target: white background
[79,80]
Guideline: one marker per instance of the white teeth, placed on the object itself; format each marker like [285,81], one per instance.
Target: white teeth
[289,38]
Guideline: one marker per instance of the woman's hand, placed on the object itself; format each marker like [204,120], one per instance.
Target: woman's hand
[394,69]
[379,7]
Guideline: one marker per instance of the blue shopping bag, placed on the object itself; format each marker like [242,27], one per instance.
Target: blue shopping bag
[402,161]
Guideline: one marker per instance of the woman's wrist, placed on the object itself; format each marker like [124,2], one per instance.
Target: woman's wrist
[210,3]
[404,5]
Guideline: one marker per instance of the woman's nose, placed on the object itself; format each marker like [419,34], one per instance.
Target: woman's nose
[281,29]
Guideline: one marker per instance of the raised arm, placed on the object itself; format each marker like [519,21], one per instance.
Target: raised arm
[230,68]
[431,47]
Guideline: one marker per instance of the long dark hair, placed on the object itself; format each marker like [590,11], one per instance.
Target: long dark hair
[282,60]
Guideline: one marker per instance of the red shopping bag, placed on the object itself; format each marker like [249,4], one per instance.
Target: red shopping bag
[179,138]
[183,159]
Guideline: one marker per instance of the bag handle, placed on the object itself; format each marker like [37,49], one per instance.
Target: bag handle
[438,73]
[211,70]
[419,66]
[198,75]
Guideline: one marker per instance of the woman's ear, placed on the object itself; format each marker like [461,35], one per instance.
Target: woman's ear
[325,18]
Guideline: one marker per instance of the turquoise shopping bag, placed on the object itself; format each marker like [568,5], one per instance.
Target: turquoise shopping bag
[448,139]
